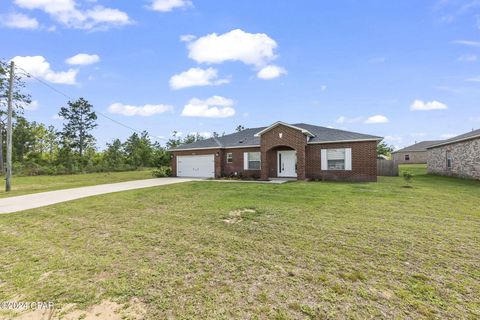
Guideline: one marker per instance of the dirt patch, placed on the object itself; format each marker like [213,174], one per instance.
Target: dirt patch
[236,216]
[107,310]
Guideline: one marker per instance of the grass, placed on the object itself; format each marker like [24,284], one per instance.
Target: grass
[211,250]
[32,184]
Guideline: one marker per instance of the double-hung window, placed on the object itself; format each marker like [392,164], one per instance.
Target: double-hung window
[449,159]
[229,157]
[252,161]
[336,159]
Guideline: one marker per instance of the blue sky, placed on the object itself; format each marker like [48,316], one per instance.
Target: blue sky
[406,70]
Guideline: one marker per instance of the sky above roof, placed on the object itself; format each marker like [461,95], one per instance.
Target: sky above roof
[405,70]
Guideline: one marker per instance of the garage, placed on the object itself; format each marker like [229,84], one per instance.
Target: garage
[201,166]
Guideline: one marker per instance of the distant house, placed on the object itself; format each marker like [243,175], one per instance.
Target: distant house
[416,153]
[458,156]
[301,151]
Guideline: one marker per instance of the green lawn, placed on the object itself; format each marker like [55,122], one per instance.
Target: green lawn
[302,250]
[32,184]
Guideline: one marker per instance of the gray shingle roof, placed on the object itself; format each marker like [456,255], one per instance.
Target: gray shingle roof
[466,136]
[421,146]
[247,137]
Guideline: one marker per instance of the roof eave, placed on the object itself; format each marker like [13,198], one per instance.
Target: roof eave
[454,141]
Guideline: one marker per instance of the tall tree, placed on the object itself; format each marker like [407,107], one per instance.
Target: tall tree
[20,99]
[239,128]
[80,121]
[139,150]
[114,155]
[384,149]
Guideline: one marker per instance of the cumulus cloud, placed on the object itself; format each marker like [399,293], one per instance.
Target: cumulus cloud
[196,77]
[19,21]
[83,59]
[169,5]
[144,111]
[237,45]
[187,37]
[271,72]
[213,107]
[469,43]
[67,13]
[448,135]
[39,67]
[377,119]
[419,105]
[342,120]
[32,106]
[467,58]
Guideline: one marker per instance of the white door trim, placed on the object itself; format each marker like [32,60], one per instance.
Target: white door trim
[286,163]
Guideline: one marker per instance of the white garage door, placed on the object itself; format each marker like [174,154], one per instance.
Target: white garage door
[196,166]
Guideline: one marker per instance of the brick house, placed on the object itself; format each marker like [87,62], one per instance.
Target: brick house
[299,151]
[416,153]
[458,156]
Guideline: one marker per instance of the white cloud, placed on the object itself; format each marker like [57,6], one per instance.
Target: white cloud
[474,119]
[467,58]
[394,139]
[271,72]
[419,105]
[475,79]
[187,37]
[169,5]
[237,45]
[469,43]
[83,59]
[196,77]
[39,67]
[448,135]
[67,13]
[213,107]
[32,106]
[377,119]
[19,21]
[342,120]
[144,111]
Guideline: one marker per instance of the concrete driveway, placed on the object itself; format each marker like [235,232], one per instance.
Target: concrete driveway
[36,200]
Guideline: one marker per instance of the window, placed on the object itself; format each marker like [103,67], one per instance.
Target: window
[229,157]
[336,159]
[252,161]
[407,157]
[449,159]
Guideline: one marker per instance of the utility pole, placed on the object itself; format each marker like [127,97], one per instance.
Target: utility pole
[8,179]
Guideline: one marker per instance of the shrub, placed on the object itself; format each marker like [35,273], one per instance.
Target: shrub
[161,172]
[407,176]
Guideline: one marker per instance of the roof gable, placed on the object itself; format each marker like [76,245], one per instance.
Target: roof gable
[280,123]
[420,146]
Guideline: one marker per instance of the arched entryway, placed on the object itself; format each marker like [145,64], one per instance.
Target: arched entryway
[282,162]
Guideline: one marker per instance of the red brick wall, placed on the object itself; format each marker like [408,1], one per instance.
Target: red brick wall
[292,138]
[364,162]
[237,164]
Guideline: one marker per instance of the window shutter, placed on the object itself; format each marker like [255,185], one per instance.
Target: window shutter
[323,153]
[348,159]
[245,161]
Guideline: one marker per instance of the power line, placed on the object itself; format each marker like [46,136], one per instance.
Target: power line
[70,98]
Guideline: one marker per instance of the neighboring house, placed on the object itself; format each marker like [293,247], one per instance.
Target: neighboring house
[299,151]
[458,156]
[416,153]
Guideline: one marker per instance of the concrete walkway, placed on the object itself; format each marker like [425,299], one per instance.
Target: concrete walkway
[36,200]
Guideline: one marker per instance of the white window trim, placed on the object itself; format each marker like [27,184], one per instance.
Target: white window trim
[231,157]
[324,160]
[245,161]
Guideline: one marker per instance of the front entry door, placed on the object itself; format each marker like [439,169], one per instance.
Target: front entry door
[287,163]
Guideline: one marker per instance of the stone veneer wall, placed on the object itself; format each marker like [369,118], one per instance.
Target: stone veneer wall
[415,157]
[465,159]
